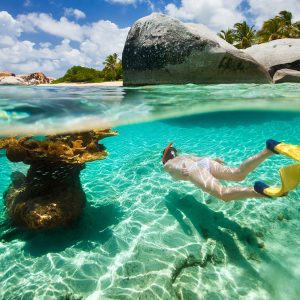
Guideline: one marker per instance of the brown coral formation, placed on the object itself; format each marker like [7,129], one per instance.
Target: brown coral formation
[50,195]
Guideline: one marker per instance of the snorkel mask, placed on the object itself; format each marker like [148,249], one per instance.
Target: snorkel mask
[166,151]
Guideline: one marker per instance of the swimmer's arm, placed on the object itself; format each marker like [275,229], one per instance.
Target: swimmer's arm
[177,172]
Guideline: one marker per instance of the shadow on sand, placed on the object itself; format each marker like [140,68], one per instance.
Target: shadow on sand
[216,226]
[92,229]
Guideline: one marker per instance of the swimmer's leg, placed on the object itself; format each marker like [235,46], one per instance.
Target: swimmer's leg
[204,180]
[237,174]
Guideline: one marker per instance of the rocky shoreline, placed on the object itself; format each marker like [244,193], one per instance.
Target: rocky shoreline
[163,50]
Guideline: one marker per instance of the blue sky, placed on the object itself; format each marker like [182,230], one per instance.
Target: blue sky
[51,36]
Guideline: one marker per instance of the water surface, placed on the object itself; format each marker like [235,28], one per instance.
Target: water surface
[47,110]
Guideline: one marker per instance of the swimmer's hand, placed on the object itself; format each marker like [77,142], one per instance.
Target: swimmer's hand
[184,171]
[220,161]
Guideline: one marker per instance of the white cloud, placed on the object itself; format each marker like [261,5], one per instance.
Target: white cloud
[74,12]
[44,22]
[8,25]
[223,14]
[266,9]
[85,45]
[217,14]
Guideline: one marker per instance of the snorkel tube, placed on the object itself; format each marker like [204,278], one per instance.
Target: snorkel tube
[166,151]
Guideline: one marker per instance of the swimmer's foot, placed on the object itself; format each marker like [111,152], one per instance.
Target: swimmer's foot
[271,144]
[259,187]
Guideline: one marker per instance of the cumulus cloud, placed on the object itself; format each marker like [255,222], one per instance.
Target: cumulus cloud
[85,45]
[74,12]
[266,9]
[222,14]
[62,28]
[8,25]
[217,14]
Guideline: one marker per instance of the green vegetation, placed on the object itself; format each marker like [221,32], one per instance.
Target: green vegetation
[113,67]
[112,71]
[281,26]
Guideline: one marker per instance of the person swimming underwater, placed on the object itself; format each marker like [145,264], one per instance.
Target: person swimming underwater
[205,172]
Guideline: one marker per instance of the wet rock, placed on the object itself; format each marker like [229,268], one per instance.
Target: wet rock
[50,195]
[277,54]
[161,50]
[286,75]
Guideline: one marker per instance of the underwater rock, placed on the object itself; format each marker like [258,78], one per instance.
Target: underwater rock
[277,54]
[286,75]
[162,50]
[50,195]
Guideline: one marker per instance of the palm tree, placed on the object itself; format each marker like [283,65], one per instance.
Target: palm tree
[111,63]
[286,17]
[279,27]
[272,29]
[244,35]
[227,35]
[290,30]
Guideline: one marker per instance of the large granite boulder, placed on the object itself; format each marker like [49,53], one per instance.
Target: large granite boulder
[277,54]
[23,79]
[35,78]
[286,75]
[162,50]
[12,80]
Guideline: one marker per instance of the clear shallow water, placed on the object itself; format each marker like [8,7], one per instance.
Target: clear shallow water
[144,236]
[47,110]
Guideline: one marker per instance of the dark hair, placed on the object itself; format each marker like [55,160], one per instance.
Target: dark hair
[172,152]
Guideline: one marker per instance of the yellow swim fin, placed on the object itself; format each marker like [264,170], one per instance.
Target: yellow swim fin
[290,179]
[292,151]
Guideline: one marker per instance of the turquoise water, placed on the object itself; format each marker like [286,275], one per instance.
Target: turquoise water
[144,236]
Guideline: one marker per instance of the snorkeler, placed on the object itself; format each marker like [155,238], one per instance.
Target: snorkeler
[205,172]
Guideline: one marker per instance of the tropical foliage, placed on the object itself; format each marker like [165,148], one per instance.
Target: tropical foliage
[113,67]
[81,74]
[281,26]
[112,71]
[227,35]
